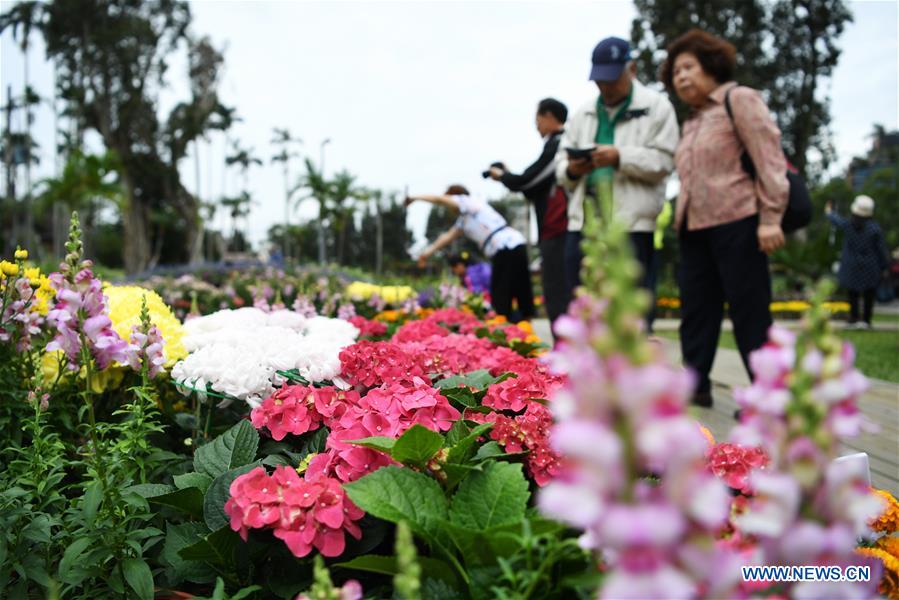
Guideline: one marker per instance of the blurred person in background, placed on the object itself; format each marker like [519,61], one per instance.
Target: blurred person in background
[475,277]
[504,246]
[863,261]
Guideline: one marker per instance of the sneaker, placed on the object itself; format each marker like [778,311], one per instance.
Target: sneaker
[863,325]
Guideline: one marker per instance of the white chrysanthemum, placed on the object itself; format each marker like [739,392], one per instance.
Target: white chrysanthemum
[239,352]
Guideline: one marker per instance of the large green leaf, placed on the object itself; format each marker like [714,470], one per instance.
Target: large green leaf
[218,493]
[139,577]
[217,548]
[417,445]
[179,537]
[397,494]
[234,448]
[189,500]
[93,497]
[201,481]
[70,570]
[479,380]
[497,495]
[376,442]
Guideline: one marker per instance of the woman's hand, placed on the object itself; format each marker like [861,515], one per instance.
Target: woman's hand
[579,166]
[409,200]
[771,237]
[422,260]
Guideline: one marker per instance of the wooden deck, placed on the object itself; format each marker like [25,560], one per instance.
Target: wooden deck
[880,404]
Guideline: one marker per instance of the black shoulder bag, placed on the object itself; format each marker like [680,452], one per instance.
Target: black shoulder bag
[799,203]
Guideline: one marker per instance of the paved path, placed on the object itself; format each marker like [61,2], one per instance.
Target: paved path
[880,404]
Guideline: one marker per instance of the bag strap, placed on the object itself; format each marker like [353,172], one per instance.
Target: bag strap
[490,237]
[745,159]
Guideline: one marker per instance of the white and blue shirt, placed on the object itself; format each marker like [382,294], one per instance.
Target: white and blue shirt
[485,227]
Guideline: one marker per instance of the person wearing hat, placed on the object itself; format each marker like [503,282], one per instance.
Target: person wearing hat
[632,133]
[863,261]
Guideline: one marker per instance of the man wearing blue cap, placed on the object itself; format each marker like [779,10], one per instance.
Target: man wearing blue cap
[631,133]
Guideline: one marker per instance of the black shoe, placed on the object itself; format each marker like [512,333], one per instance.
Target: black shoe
[703,399]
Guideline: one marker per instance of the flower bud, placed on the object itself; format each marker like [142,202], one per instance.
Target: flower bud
[21,254]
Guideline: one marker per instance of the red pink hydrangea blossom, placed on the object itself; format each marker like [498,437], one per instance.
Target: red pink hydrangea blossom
[734,464]
[304,514]
[370,364]
[368,328]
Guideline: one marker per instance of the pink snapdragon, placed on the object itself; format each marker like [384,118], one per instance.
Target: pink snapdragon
[20,319]
[304,514]
[803,403]
[621,415]
[147,348]
[81,313]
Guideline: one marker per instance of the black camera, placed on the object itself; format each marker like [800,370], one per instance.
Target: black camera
[486,174]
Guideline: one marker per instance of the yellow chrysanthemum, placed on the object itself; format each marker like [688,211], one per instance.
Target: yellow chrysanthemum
[888,521]
[100,381]
[124,311]
[393,294]
[21,254]
[9,269]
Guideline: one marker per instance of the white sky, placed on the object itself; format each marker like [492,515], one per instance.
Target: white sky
[427,93]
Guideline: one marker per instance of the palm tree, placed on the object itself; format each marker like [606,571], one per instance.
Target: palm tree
[319,189]
[284,140]
[240,204]
[344,194]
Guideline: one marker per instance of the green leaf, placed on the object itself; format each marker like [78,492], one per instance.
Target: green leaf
[461,395]
[149,490]
[455,473]
[386,565]
[69,561]
[201,481]
[189,500]
[36,569]
[492,450]
[38,530]
[314,442]
[93,496]
[376,442]
[234,448]
[498,495]
[179,537]
[397,494]
[217,548]
[139,577]
[417,445]
[461,451]
[457,432]
[218,493]
[478,380]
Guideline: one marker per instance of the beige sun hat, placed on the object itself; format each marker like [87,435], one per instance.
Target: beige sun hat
[863,206]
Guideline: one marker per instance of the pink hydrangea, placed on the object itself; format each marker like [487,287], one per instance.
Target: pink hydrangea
[368,328]
[291,409]
[372,363]
[419,330]
[516,393]
[528,432]
[733,464]
[303,513]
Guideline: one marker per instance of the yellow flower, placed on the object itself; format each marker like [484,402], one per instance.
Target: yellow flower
[525,326]
[124,311]
[44,293]
[888,521]
[8,268]
[393,294]
[21,254]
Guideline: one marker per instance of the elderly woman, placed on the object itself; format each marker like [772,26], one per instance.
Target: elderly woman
[727,219]
[863,261]
[510,277]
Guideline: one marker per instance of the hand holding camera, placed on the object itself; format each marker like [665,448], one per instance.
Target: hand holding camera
[495,171]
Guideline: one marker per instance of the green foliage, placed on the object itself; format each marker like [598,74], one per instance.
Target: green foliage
[235,448]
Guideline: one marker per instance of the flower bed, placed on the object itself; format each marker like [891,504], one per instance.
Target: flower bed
[419,452]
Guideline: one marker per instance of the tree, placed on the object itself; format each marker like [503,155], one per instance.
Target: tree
[344,194]
[111,58]
[239,205]
[317,188]
[786,48]
[284,140]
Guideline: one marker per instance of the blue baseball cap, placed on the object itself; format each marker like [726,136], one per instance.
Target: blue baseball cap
[609,58]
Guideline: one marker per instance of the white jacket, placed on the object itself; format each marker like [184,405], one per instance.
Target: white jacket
[645,144]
